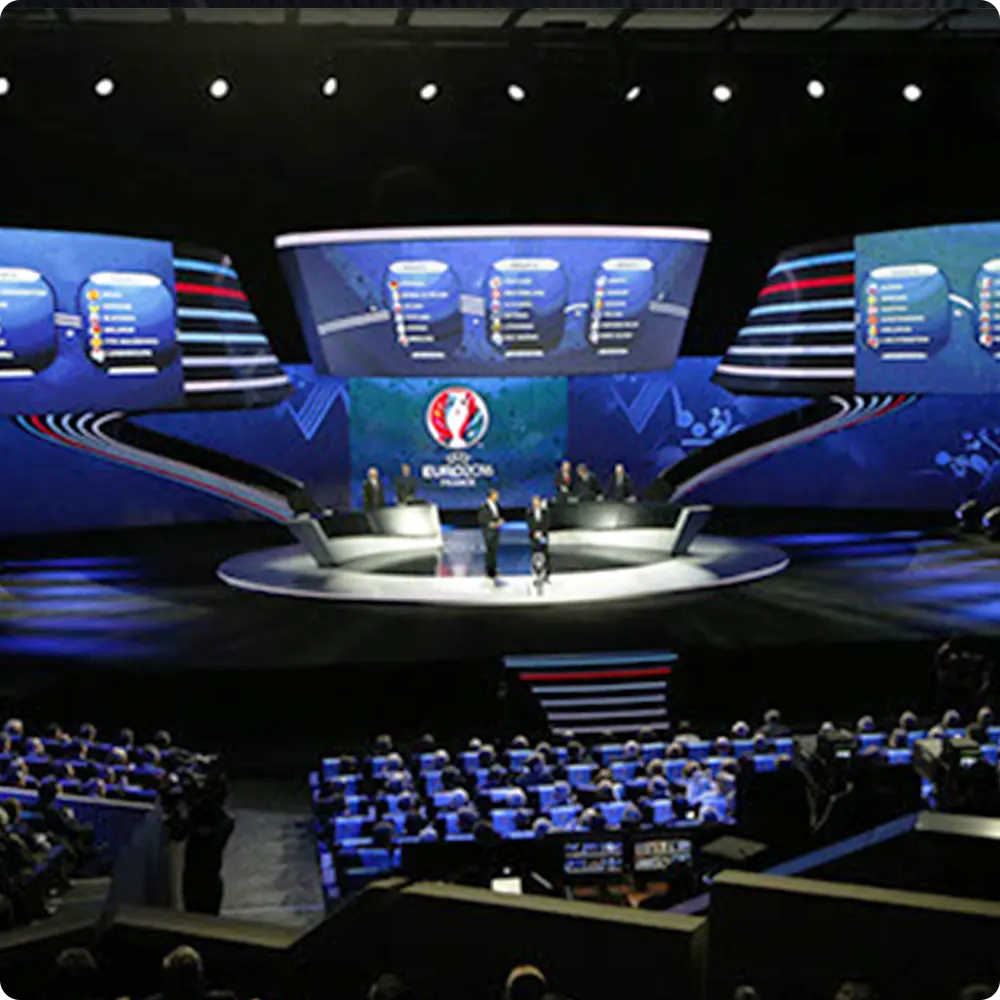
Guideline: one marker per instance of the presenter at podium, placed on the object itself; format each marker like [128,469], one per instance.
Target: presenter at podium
[490,523]
[621,485]
[373,491]
[587,488]
[538,520]
[406,486]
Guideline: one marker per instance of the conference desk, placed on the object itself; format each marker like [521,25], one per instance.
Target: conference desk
[610,515]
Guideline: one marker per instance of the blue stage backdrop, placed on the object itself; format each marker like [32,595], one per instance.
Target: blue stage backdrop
[460,437]
[929,456]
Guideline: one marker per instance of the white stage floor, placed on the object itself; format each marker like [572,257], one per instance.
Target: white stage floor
[587,567]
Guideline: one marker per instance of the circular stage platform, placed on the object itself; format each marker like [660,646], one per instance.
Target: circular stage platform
[587,566]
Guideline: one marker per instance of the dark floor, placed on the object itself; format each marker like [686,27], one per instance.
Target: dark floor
[136,627]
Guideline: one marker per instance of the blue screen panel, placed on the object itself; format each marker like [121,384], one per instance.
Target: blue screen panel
[87,322]
[928,310]
[494,300]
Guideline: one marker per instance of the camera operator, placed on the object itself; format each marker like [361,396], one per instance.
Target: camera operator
[209,828]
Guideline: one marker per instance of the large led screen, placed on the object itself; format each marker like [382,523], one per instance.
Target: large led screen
[87,322]
[502,301]
[95,322]
[928,310]
[460,438]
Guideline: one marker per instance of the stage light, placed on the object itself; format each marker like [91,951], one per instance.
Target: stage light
[218,88]
[912,93]
[722,93]
[4,86]
[516,92]
[428,91]
[632,94]
[104,87]
[815,89]
[330,86]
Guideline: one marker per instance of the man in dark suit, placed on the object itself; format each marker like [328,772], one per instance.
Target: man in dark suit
[374,491]
[586,488]
[539,522]
[564,481]
[406,486]
[621,485]
[490,523]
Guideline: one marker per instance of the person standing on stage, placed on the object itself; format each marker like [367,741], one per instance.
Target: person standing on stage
[539,522]
[564,481]
[621,485]
[490,523]
[586,488]
[374,491]
[406,486]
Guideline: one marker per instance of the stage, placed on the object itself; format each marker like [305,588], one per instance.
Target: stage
[587,566]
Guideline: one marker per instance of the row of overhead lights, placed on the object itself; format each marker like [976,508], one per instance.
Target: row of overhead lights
[220,88]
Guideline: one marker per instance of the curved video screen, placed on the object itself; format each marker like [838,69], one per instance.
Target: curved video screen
[535,300]
[95,322]
[928,310]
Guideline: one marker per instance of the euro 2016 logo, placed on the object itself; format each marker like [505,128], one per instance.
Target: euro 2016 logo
[457,418]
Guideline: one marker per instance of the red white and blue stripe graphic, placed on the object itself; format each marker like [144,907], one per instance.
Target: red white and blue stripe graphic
[799,339]
[227,358]
[616,693]
[88,433]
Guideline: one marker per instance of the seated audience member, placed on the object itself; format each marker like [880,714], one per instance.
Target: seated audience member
[827,728]
[14,728]
[59,820]
[740,731]
[389,987]
[897,739]
[866,724]
[125,740]
[676,750]
[184,978]
[577,752]
[592,820]
[773,727]
[525,982]
[763,744]
[986,716]
[856,991]
[74,976]
[631,750]
[383,834]
[383,745]
[427,743]
[977,992]
[951,719]
[909,721]
[977,732]
[631,816]
[542,827]
[685,733]
[746,993]
[937,732]
[586,487]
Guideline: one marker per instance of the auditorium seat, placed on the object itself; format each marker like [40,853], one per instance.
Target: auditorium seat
[432,782]
[623,770]
[743,748]
[765,762]
[785,744]
[504,821]
[546,796]
[653,751]
[994,734]
[866,740]
[580,774]
[428,762]
[608,753]
[563,817]
[899,756]
[675,769]
[914,735]
[699,749]
[347,828]
[331,767]
[663,812]
[469,761]
[613,812]
[990,753]
[443,799]
[517,759]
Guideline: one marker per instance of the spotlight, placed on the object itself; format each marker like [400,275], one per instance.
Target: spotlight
[516,92]
[722,93]
[330,86]
[218,88]
[104,87]
[632,94]
[4,86]
[968,516]
[912,93]
[815,89]
[428,91]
